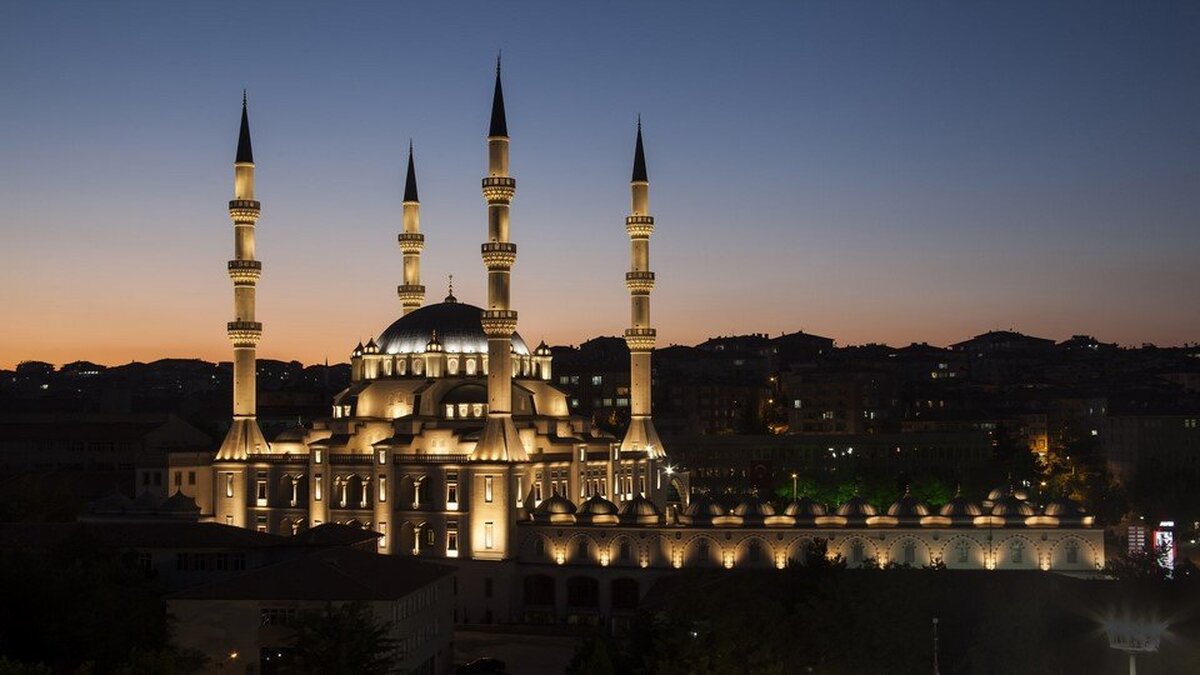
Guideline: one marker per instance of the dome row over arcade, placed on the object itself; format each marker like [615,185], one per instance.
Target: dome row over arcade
[1008,510]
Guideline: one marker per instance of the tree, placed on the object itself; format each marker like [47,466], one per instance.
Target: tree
[342,639]
[596,656]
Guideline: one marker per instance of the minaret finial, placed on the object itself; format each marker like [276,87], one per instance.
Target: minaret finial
[450,295]
[499,53]
[243,97]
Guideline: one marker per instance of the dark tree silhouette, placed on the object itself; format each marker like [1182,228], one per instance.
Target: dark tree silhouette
[342,639]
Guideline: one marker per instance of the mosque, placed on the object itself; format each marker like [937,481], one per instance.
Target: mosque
[453,444]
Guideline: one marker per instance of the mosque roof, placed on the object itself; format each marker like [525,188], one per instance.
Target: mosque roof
[457,325]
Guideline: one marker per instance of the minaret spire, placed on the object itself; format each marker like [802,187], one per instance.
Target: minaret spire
[639,157]
[245,153]
[244,438]
[499,441]
[499,126]
[641,435]
[411,292]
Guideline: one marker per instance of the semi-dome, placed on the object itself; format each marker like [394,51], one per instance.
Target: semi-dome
[754,508]
[294,434]
[804,508]
[960,507]
[856,507]
[639,507]
[908,506]
[1013,506]
[1063,508]
[596,506]
[456,325]
[556,509]
[702,509]
[555,505]
[999,493]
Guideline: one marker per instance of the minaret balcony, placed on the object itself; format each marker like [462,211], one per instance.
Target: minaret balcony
[639,227]
[411,294]
[640,283]
[499,323]
[499,189]
[499,255]
[244,211]
[245,272]
[411,242]
[244,333]
[640,339]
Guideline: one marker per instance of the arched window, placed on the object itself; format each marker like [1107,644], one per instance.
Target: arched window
[856,552]
[1072,553]
[754,551]
[623,551]
[910,553]
[539,547]
[963,549]
[1016,550]
[581,549]
[583,592]
[624,593]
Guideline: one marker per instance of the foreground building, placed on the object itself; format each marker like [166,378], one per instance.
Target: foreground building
[452,443]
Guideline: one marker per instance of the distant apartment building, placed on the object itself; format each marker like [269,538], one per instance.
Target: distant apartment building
[1168,440]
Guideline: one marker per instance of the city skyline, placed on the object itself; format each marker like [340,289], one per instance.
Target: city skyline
[854,182]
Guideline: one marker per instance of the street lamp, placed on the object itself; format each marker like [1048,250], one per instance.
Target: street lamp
[935,646]
[1134,637]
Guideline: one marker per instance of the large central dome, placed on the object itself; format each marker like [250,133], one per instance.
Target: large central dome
[458,329]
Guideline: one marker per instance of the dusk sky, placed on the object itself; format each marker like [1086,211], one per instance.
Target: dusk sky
[873,172]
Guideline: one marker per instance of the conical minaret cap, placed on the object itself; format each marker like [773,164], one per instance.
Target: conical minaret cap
[245,154]
[410,180]
[639,158]
[499,125]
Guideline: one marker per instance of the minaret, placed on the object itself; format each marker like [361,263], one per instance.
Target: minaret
[499,440]
[411,292]
[244,436]
[641,435]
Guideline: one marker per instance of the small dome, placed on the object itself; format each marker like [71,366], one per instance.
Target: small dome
[1013,507]
[556,505]
[295,434]
[1003,491]
[639,506]
[960,507]
[856,507]
[753,507]
[181,503]
[596,506]
[542,349]
[1064,508]
[702,507]
[804,508]
[908,506]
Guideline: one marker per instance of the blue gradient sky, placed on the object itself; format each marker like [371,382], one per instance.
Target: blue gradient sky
[887,172]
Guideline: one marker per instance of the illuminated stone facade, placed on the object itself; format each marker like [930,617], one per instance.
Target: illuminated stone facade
[453,444]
